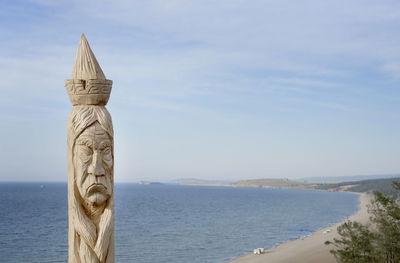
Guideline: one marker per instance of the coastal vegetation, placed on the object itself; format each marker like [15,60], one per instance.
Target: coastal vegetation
[375,242]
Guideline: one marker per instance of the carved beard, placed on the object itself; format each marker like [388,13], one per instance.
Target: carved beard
[93,245]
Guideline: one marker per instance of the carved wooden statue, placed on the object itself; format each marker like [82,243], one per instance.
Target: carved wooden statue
[90,162]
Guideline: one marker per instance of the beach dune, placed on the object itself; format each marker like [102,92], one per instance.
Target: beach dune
[310,249]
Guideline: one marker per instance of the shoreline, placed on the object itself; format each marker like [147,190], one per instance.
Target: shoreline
[309,249]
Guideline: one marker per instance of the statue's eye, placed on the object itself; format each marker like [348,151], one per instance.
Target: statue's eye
[84,153]
[107,156]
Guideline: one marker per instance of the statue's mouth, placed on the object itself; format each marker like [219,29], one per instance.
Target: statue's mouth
[96,188]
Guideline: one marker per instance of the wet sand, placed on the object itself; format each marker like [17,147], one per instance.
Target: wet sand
[309,249]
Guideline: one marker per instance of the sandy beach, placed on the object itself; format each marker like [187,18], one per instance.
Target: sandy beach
[310,249]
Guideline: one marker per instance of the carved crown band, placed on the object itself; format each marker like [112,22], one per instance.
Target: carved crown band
[88,92]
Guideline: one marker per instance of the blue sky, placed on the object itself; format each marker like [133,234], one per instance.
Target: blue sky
[208,89]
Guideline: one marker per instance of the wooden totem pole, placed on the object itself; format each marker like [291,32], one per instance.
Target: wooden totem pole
[90,162]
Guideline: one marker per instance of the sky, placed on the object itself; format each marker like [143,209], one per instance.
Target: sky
[223,90]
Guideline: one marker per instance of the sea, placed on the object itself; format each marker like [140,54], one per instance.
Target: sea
[168,223]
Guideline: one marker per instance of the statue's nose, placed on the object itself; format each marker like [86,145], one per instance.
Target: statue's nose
[96,167]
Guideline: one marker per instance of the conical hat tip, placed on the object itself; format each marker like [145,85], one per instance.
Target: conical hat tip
[86,65]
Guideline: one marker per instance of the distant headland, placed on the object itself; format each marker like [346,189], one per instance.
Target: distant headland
[382,183]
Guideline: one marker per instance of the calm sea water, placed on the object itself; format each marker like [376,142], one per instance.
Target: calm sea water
[167,223]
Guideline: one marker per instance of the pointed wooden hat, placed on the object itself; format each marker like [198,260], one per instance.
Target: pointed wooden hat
[88,85]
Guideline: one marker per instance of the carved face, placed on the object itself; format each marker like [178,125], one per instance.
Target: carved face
[93,160]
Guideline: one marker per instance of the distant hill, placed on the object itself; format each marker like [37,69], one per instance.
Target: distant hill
[338,179]
[381,185]
[274,183]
